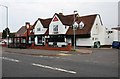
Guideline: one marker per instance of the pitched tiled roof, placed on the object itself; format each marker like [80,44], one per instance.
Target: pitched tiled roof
[47,32]
[66,19]
[116,28]
[21,31]
[88,22]
[44,22]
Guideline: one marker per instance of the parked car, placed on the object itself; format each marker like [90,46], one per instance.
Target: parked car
[116,44]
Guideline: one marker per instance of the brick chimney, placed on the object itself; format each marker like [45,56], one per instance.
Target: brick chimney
[27,25]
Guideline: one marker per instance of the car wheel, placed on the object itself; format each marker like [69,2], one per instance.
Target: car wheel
[97,44]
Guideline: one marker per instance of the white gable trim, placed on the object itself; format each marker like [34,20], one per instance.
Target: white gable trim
[62,29]
[54,17]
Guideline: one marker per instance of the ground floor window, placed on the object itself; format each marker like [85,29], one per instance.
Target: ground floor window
[31,39]
[39,38]
[23,41]
[17,42]
[57,38]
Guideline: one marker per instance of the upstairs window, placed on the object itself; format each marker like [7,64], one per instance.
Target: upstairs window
[81,25]
[55,28]
[38,29]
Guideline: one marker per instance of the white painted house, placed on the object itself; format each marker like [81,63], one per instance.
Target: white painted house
[90,30]
[41,27]
[58,31]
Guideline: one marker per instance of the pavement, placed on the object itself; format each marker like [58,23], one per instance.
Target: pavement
[37,52]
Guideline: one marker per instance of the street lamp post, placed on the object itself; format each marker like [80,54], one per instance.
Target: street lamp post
[6,14]
[6,18]
[74,28]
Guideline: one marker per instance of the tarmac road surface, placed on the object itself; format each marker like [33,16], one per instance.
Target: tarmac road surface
[101,63]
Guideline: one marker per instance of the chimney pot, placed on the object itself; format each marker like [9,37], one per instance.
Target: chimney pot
[27,25]
[60,13]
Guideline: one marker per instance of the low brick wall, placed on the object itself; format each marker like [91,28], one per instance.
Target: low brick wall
[4,45]
[46,47]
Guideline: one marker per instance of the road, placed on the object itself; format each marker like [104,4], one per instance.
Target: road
[101,63]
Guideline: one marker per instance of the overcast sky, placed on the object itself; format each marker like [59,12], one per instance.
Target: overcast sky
[21,11]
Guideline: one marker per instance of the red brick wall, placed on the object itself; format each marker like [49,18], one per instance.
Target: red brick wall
[68,48]
[25,34]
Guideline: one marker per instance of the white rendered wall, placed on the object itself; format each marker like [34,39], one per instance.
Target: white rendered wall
[83,42]
[36,41]
[42,31]
[116,35]
[98,31]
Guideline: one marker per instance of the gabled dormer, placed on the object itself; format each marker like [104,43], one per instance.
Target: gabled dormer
[41,26]
[60,23]
[81,25]
[56,25]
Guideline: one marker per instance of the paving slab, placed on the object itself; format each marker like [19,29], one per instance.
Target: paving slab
[38,52]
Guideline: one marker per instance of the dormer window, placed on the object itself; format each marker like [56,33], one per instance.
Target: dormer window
[38,29]
[81,25]
[75,26]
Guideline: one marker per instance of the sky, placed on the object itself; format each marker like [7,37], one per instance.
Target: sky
[21,11]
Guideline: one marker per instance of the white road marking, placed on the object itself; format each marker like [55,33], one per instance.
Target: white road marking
[45,56]
[53,68]
[48,57]
[40,56]
[10,59]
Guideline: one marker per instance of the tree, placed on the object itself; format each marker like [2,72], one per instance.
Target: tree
[4,34]
[7,31]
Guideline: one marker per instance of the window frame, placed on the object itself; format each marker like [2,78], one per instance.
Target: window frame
[55,28]
[39,39]
[81,25]
[39,29]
